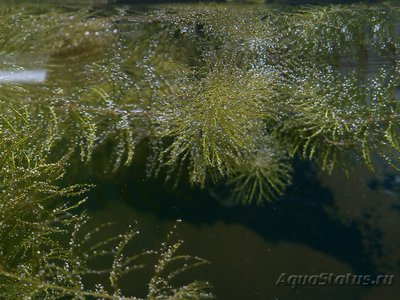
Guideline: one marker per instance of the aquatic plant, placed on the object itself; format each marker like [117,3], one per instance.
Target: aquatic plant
[318,96]
[46,249]
[225,95]
[206,91]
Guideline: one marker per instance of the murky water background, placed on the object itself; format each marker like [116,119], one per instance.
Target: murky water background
[324,224]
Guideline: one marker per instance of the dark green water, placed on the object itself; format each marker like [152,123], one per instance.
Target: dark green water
[323,224]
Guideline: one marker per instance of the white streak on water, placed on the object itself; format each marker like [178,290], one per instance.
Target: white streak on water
[23,76]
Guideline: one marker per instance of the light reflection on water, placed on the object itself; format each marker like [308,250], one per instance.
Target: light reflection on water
[23,76]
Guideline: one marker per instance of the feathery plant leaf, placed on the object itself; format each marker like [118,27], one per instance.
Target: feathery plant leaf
[213,123]
[36,219]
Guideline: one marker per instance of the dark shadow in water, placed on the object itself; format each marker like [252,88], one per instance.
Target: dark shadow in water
[389,183]
[299,217]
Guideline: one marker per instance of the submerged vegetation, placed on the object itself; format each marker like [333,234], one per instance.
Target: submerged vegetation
[47,249]
[219,94]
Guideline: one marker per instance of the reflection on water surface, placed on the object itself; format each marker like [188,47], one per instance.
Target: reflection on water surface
[33,76]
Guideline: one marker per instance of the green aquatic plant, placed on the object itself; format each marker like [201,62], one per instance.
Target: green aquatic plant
[221,94]
[341,105]
[206,92]
[264,174]
[46,249]
[306,83]
[221,119]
